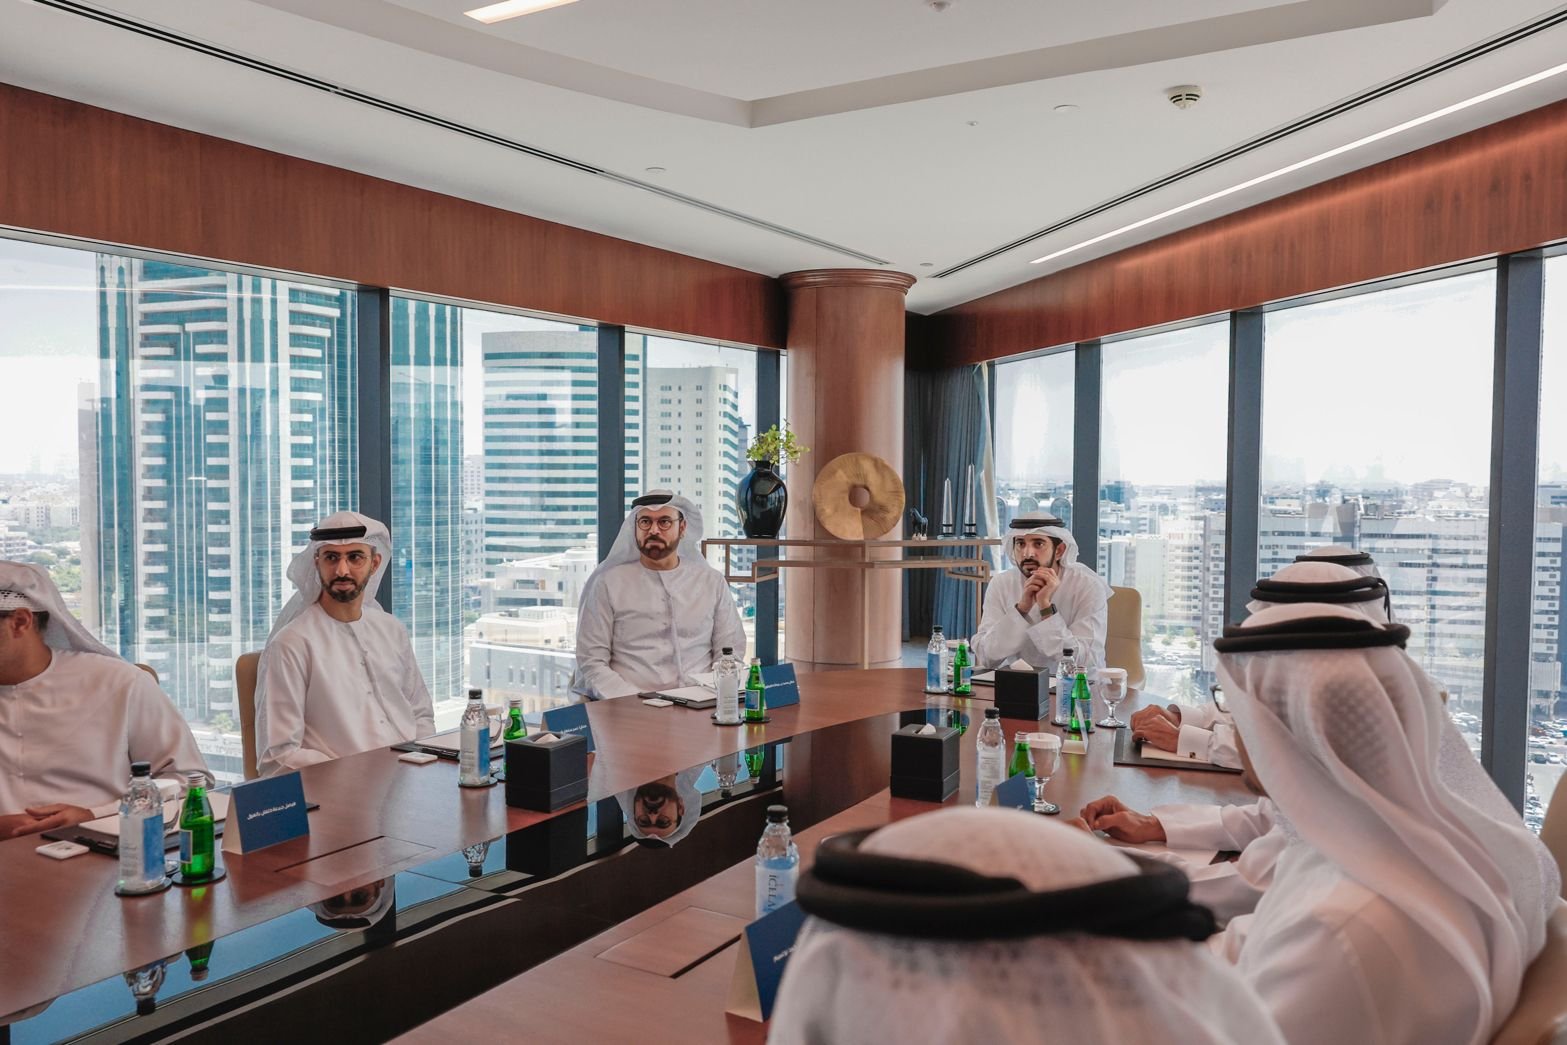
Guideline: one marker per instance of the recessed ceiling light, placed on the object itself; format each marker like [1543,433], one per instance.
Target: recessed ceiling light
[655,170]
[512,9]
[927,264]
[973,123]
[1064,107]
[1418,121]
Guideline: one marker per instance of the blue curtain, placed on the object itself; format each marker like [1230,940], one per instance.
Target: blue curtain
[946,429]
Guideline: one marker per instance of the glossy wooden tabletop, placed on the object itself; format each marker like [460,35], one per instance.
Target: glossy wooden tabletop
[63,928]
[582,995]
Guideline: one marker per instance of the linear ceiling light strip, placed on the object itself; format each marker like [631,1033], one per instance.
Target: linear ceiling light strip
[162,35]
[1420,75]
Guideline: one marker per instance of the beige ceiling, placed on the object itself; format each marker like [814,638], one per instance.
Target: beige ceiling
[906,135]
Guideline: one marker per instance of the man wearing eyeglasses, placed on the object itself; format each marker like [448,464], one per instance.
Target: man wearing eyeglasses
[338,675]
[654,614]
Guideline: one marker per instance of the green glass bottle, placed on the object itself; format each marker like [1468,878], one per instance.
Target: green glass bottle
[1021,762]
[1082,707]
[962,669]
[755,694]
[196,849]
[516,728]
[200,956]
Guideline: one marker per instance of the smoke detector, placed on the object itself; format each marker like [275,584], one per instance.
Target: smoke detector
[1185,96]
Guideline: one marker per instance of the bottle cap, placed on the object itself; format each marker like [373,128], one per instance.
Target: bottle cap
[728,651]
[196,779]
[141,769]
[992,712]
[757,661]
[1067,651]
[476,694]
[777,814]
[515,702]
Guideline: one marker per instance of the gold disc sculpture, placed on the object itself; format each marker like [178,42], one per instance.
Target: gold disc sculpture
[858,497]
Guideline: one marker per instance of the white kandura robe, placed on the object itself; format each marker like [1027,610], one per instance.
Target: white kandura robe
[70,733]
[1326,955]
[336,688]
[642,630]
[1230,888]
[1080,620]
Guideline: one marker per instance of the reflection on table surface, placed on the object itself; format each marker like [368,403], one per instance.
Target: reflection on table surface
[459,923]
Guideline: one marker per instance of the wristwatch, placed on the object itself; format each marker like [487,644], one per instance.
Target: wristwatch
[1048,612]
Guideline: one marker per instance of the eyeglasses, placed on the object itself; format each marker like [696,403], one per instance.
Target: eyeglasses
[660,822]
[646,523]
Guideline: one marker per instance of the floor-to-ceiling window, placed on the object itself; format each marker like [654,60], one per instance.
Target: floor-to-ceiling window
[1034,432]
[494,429]
[1163,427]
[1377,435]
[1547,751]
[699,416]
[182,428]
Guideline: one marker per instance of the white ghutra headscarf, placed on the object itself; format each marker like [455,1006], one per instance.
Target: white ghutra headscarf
[847,985]
[1347,742]
[27,586]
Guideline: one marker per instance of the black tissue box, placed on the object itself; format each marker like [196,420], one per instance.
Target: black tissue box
[925,765]
[1023,694]
[546,777]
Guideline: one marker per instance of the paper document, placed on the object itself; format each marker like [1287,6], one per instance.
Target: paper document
[1159,754]
[690,695]
[707,679]
[110,825]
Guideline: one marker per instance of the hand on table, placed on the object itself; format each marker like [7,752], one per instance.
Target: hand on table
[1158,726]
[42,818]
[1110,815]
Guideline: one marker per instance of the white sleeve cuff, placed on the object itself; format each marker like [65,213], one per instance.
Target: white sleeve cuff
[1193,826]
[1193,742]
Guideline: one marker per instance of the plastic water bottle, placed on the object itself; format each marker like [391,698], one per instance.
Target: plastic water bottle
[1066,676]
[777,863]
[141,834]
[936,662]
[473,760]
[992,760]
[728,688]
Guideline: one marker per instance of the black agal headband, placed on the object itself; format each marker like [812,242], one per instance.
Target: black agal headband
[1335,593]
[1034,522]
[931,900]
[1311,633]
[647,500]
[1339,558]
[337,533]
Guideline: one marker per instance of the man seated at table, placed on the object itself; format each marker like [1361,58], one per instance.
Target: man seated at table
[73,716]
[1399,910]
[1047,603]
[338,675]
[653,618]
[989,925]
[1203,730]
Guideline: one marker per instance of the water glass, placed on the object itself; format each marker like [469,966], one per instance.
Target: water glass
[1112,690]
[1045,749]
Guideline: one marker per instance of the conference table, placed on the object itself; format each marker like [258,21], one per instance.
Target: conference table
[499,916]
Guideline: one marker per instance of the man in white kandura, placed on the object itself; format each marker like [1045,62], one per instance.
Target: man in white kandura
[73,716]
[653,618]
[1049,602]
[338,675]
[991,925]
[1400,911]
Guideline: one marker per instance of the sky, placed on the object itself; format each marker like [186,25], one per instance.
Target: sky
[1345,382]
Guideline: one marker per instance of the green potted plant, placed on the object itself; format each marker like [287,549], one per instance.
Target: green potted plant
[762,498]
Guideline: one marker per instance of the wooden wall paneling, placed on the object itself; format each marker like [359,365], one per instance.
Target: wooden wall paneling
[80,171]
[1495,190]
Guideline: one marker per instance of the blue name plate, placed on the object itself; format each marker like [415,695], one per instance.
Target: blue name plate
[779,685]
[769,941]
[573,718]
[1015,792]
[265,812]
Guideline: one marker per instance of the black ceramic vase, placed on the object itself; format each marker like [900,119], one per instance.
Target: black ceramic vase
[762,499]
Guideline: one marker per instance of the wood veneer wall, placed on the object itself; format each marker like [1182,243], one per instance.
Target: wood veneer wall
[1496,190]
[76,170]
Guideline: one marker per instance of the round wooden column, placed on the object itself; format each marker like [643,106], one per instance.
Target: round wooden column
[845,394]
